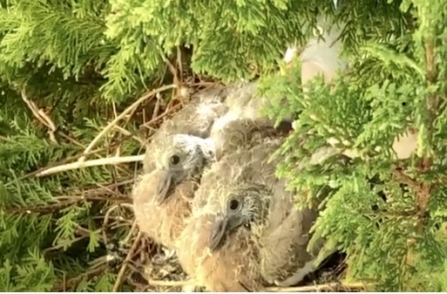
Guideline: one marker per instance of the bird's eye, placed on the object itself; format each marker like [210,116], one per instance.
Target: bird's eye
[174,160]
[234,204]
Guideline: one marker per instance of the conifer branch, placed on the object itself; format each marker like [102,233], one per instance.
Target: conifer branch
[63,202]
[405,179]
[44,209]
[121,116]
[96,162]
[96,270]
[423,196]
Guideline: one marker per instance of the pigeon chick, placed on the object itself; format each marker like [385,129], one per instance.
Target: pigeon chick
[244,231]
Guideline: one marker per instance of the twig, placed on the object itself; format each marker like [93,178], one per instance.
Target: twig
[57,247]
[156,108]
[402,177]
[120,276]
[107,217]
[129,236]
[171,283]
[180,63]
[129,134]
[54,164]
[40,115]
[90,163]
[172,69]
[121,116]
[317,288]
[162,115]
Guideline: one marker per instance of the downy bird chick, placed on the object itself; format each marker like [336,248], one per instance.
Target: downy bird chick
[184,156]
[180,162]
[244,231]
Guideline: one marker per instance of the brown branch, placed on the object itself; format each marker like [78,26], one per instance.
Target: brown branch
[402,177]
[423,196]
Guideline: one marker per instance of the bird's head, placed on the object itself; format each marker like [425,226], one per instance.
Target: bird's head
[242,207]
[180,156]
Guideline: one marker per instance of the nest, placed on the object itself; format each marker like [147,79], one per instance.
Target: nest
[139,264]
[149,267]
[163,273]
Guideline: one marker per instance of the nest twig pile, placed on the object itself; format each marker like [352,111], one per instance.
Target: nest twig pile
[140,264]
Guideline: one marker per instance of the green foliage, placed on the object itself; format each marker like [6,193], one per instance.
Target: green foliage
[388,215]
[83,61]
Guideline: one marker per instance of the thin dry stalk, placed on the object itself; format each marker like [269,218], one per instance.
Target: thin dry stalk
[171,283]
[318,288]
[107,217]
[123,268]
[96,162]
[40,115]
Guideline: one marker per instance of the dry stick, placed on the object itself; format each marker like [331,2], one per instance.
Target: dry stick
[90,163]
[107,216]
[173,71]
[120,275]
[121,116]
[156,108]
[146,124]
[317,288]
[129,134]
[171,283]
[40,115]
[178,106]
[132,228]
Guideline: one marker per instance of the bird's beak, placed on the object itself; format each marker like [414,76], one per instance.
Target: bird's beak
[219,234]
[163,187]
